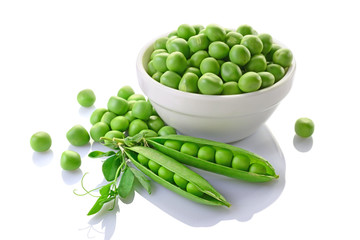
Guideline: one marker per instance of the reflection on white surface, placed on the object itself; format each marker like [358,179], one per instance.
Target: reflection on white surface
[86,111]
[81,150]
[302,144]
[71,177]
[42,159]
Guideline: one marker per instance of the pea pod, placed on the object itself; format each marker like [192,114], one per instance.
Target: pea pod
[210,196]
[256,161]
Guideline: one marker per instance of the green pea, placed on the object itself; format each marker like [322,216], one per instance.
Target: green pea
[172,34]
[40,141]
[241,162]
[86,97]
[150,68]
[249,82]
[185,31]
[165,174]
[210,65]
[267,79]
[194,70]
[176,62]
[190,149]
[210,84]
[233,38]
[176,145]
[136,126]
[70,160]
[304,127]
[129,116]
[166,130]
[189,83]
[257,63]
[131,104]
[156,52]
[198,42]
[143,160]
[230,72]
[153,166]
[215,32]
[98,130]
[218,50]
[179,45]
[156,76]
[198,57]
[78,136]
[170,79]
[206,153]
[149,133]
[97,115]
[137,97]
[267,41]
[142,110]
[155,123]
[107,117]
[276,70]
[120,123]
[231,88]
[274,48]
[160,43]
[257,168]
[239,55]
[170,39]
[117,105]
[245,30]
[159,62]
[191,188]
[125,92]
[283,57]
[253,43]
[113,134]
[223,157]
[179,181]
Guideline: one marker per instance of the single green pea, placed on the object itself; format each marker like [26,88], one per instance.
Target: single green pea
[136,126]
[98,130]
[113,134]
[176,62]
[156,52]
[304,127]
[210,84]
[137,97]
[190,149]
[166,174]
[131,104]
[241,162]
[156,76]
[86,97]
[257,168]
[257,63]
[249,82]
[233,38]
[125,92]
[229,71]
[210,65]
[274,48]
[117,105]
[193,70]
[173,144]
[283,57]
[223,157]
[191,188]
[129,116]
[170,79]
[215,32]
[149,133]
[185,31]
[155,123]
[78,135]
[166,130]
[160,43]
[70,160]
[179,181]
[40,141]
[218,50]
[172,34]
[206,153]
[153,166]
[170,39]
[107,117]
[198,42]
[231,88]
[179,45]
[197,58]
[267,79]
[189,83]
[239,55]
[150,68]
[198,28]
[246,30]
[267,41]
[159,62]
[120,123]
[97,115]
[276,70]
[253,43]
[143,160]
[142,110]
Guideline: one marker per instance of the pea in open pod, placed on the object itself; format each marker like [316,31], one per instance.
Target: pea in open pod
[210,196]
[251,173]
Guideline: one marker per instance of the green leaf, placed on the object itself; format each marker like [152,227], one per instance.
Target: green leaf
[143,180]
[110,167]
[134,140]
[99,154]
[97,206]
[126,183]
[105,190]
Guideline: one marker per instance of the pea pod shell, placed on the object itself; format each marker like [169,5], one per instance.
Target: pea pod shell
[212,196]
[210,166]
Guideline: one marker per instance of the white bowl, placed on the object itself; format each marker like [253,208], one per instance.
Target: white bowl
[223,118]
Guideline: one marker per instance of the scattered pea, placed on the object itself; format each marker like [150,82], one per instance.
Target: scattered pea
[142,110]
[108,117]
[97,115]
[120,123]
[98,130]
[125,92]
[166,130]
[117,105]
[155,123]
[70,160]
[40,141]
[137,97]
[86,97]
[78,135]
[304,127]
[136,126]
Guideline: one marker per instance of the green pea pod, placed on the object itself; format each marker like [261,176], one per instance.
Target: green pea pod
[210,196]
[158,143]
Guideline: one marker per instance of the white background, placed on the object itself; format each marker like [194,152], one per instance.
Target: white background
[50,50]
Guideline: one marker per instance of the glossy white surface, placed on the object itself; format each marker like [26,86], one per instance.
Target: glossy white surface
[50,50]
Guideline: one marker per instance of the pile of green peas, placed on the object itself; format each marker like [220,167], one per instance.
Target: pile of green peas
[218,61]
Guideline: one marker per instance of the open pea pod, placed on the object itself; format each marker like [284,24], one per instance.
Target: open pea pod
[210,196]
[268,173]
